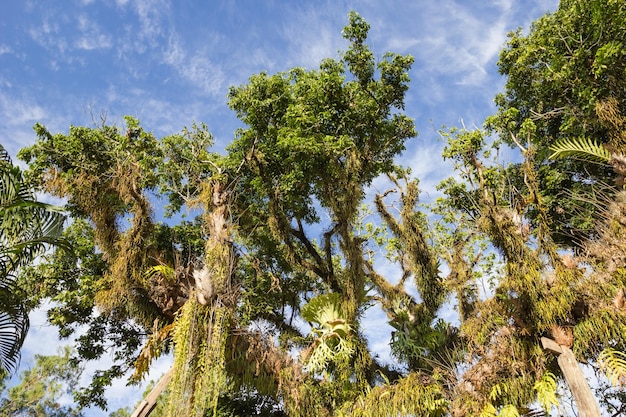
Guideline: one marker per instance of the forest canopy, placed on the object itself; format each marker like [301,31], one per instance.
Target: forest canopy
[284,232]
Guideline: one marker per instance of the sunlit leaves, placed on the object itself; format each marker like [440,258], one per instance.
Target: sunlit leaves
[546,391]
[613,363]
[331,329]
[585,148]
[568,77]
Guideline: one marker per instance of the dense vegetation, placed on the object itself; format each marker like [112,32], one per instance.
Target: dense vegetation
[288,232]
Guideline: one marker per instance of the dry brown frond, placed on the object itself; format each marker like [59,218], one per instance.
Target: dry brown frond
[563,335]
[256,362]
[619,301]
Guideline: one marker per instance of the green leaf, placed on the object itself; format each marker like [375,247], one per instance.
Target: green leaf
[613,363]
[581,147]
[546,391]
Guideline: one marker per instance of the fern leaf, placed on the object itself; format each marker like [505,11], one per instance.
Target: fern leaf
[166,271]
[489,411]
[546,392]
[584,148]
[613,363]
[509,411]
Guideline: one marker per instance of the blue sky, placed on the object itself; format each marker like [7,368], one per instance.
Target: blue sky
[170,63]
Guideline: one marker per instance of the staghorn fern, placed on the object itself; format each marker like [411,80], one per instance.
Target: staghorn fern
[333,332]
[581,147]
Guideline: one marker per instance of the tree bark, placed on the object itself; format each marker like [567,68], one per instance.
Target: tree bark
[585,401]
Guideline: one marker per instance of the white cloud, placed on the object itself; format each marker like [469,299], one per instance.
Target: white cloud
[91,35]
[426,163]
[450,37]
[151,14]
[16,111]
[311,34]
[197,69]
[47,34]
[376,328]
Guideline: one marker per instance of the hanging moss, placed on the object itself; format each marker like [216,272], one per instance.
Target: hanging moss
[199,344]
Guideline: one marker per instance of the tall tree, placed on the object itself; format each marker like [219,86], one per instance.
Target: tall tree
[282,239]
[314,141]
[565,86]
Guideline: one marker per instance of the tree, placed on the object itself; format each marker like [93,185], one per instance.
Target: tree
[27,227]
[564,95]
[41,387]
[315,140]
[564,106]
[284,237]
[564,80]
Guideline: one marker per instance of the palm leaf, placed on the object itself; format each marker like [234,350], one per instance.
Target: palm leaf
[4,155]
[14,325]
[581,147]
[27,229]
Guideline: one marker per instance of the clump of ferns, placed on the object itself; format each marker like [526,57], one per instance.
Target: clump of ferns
[331,331]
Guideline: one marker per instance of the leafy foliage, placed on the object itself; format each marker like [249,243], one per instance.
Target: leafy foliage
[580,147]
[42,387]
[546,391]
[613,362]
[565,80]
[331,329]
[282,238]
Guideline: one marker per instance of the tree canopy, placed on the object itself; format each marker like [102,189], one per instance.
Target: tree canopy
[261,297]
[565,80]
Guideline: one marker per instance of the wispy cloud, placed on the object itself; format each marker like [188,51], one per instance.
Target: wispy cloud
[447,37]
[47,34]
[460,43]
[312,34]
[197,68]
[91,36]
[17,111]
[151,28]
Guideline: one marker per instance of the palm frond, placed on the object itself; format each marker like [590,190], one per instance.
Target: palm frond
[14,325]
[4,155]
[581,147]
[27,229]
